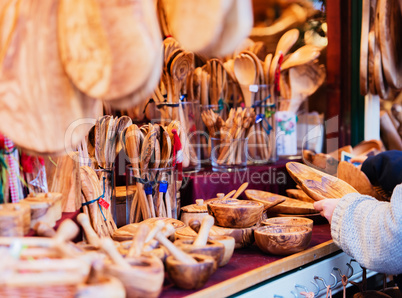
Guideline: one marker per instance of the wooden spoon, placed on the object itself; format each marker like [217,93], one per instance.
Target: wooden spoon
[245,72]
[303,55]
[240,190]
[229,195]
[317,184]
[287,41]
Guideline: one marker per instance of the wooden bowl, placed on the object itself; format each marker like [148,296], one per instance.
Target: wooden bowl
[144,278]
[190,276]
[194,211]
[229,244]
[212,248]
[243,237]
[288,221]
[235,213]
[282,240]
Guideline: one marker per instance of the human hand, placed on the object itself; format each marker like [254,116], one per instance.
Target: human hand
[326,207]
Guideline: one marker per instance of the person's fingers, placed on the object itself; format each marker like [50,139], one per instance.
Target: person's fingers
[318,205]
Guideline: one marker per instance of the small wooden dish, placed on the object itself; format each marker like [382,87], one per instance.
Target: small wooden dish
[243,237]
[283,240]
[288,221]
[229,244]
[212,248]
[190,276]
[144,278]
[235,213]
[194,211]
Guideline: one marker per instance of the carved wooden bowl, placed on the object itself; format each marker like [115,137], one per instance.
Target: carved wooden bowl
[229,244]
[282,240]
[243,237]
[212,248]
[144,278]
[235,213]
[288,221]
[190,276]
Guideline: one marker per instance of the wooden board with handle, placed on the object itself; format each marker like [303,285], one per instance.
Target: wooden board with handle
[39,103]
[289,206]
[317,184]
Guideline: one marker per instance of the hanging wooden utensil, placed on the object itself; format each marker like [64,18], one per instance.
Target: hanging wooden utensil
[31,87]
[365,28]
[130,29]
[390,18]
[84,48]
[287,41]
[317,184]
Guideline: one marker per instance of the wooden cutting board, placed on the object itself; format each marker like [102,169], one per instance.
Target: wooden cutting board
[288,206]
[317,184]
[298,194]
[38,101]
[134,38]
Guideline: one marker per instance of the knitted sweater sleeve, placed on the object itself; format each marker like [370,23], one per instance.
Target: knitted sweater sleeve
[370,231]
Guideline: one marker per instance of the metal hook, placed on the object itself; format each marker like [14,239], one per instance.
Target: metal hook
[301,287]
[349,268]
[318,288]
[294,294]
[339,271]
[325,283]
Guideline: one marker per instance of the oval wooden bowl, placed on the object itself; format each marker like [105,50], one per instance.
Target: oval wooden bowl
[235,213]
[229,244]
[107,287]
[127,232]
[190,276]
[282,240]
[212,248]
[144,278]
[288,221]
[243,237]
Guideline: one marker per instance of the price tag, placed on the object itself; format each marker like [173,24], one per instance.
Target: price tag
[103,203]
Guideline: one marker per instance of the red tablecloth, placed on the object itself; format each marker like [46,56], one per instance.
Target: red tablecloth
[206,184]
[242,261]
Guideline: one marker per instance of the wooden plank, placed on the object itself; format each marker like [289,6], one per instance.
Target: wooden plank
[253,277]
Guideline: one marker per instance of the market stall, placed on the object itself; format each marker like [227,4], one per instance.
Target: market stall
[175,148]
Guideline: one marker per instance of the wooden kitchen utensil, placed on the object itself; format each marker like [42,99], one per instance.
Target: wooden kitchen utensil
[84,48]
[239,191]
[303,55]
[235,213]
[194,211]
[245,72]
[201,244]
[317,184]
[364,47]
[90,234]
[26,66]
[148,273]
[299,195]
[287,41]
[285,205]
[390,16]
[134,42]
[357,179]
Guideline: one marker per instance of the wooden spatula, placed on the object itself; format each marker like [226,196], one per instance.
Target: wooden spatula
[317,184]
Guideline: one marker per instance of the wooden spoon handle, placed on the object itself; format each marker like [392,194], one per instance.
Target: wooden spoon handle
[176,252]
[240,190]
[228,195]
[109,247]
[138,241]
[92,237]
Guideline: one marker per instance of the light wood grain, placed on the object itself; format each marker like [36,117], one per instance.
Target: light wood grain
[317,184]
[39,102]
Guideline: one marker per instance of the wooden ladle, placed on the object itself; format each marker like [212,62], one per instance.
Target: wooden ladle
[245,72]
[287,41]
